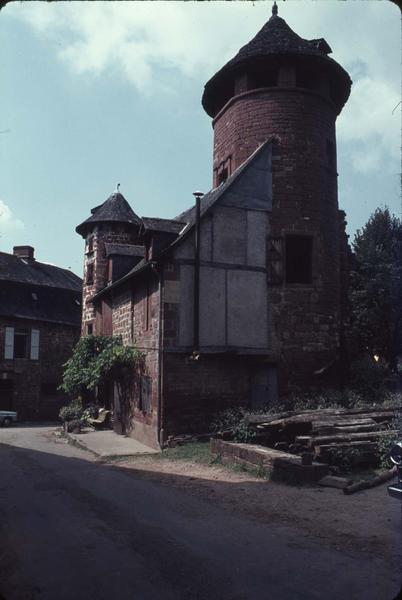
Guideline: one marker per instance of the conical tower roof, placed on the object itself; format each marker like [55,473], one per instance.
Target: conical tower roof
[274,40]
[276,37]
[115,209]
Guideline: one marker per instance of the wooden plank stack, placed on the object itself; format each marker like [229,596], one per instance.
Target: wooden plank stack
[328,434]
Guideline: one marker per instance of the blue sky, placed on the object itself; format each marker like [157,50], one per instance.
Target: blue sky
[100,93]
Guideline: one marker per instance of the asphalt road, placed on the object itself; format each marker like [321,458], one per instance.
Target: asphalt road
[74,529]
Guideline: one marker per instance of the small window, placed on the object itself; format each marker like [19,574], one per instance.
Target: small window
[90,329]
[90,245]
[90,274]
[145,394]
[21,343]
[263,78]
[222,176]
[298,259]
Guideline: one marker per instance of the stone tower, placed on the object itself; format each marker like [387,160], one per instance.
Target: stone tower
[113,222]
[286,89]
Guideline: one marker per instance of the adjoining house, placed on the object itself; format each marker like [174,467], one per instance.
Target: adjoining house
[40,319]
[239,297]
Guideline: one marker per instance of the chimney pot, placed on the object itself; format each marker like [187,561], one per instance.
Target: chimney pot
[26,252]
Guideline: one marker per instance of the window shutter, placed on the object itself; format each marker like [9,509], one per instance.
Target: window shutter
[9,343]
[275,260]
[34,344]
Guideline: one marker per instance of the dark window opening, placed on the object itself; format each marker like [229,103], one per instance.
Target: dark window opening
[48,388]
[331,154]
[262,79]
[298,259]
[145,394]
[21,343]
[90,274]
[222,176]
[306,79]
[90,329]
[90,245]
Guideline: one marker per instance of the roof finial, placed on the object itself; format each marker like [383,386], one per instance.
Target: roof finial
[118,188]
[274,10]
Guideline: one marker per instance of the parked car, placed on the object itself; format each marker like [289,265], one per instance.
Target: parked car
[7,417]
[395,454]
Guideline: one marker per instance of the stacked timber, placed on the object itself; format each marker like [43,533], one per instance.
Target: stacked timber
[328,434]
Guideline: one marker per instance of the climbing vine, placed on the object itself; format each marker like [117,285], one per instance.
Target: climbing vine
[96,360]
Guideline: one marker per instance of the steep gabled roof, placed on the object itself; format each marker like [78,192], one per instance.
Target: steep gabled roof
[210,198]
[40,303]
[115,209]
[14,268]
[162,225]
[251,170]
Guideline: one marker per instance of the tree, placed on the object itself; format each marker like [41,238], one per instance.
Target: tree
[376,287]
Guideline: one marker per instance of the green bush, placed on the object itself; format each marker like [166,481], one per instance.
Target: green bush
[234,422]
[367,377]
[386,443]
[72,411]
[95,360]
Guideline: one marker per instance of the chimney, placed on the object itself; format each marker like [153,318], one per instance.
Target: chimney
[26,252]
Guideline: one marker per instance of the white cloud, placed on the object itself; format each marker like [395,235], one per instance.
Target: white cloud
[7,220]
[370,125]
[135,40]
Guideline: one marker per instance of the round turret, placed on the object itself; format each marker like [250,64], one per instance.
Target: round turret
[283,88]
[113,222]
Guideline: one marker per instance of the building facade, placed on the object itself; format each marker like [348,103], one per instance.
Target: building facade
[239,298]
[40,318]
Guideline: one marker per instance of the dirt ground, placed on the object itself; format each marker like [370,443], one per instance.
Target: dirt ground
[368,521]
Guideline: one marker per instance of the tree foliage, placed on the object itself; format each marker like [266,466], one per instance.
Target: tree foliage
[376,286]
[95,360]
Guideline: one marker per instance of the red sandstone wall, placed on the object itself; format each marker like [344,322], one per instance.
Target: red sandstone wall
[135,316]
[193,391]
[102,234]
[305,317]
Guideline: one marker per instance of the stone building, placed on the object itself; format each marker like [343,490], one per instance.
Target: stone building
[237,299]
[40,316]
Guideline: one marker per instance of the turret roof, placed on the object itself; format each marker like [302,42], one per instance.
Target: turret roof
[276,37]
[115,209]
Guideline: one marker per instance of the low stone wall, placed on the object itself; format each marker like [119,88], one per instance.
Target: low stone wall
[276,465]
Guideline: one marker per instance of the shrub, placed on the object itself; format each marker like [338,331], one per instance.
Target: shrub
[72,411]
[233,421]
[386,442]
[95,360]
[367,377]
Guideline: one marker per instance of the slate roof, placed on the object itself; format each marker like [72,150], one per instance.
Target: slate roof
[51,304]
[163,225]
[115,209]
[124,250]
[13,268]
[275,38]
